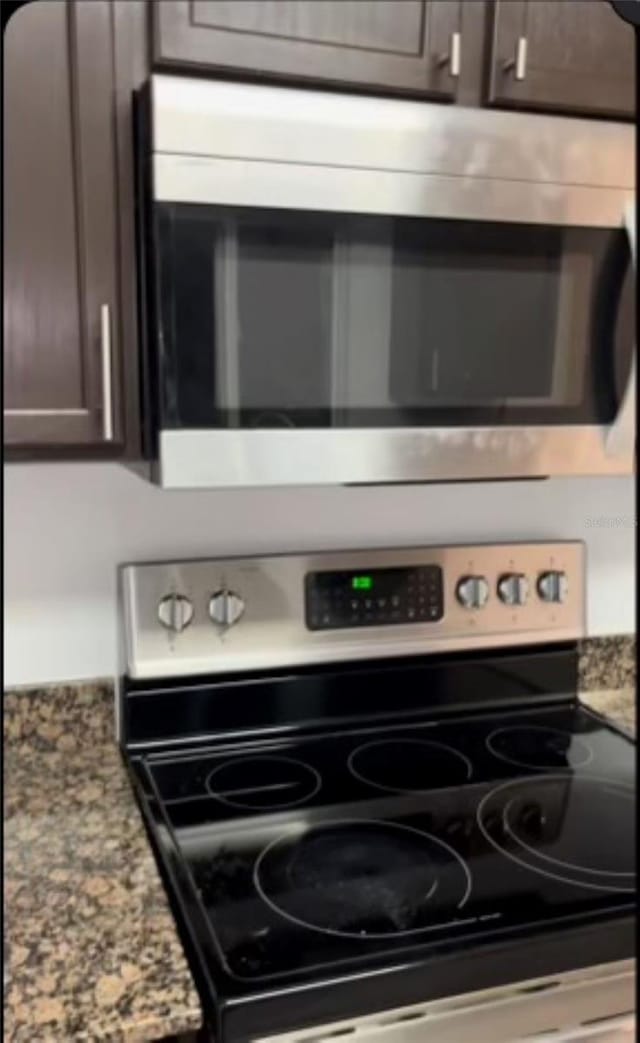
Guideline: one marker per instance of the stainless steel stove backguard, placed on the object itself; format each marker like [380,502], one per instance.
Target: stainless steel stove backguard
[215,616]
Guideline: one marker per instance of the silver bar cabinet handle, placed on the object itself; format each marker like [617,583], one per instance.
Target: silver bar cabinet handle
[452,59]
[107,399]
[621,435]
[521,58]
[519,63]
[454,64]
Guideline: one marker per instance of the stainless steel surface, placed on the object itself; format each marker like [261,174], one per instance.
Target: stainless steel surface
[246,145]
[192,459]
[175,612]
[310,186]
[554,1009]
[553,586]
[521,58]
[454,67]
[226,607]
[610,1030]
[621,436]
[107,397]
[208,118]
[513,588]
[472,591]
[272,631]
[452,58]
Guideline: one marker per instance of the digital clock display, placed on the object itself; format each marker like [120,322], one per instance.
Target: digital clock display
[405,594]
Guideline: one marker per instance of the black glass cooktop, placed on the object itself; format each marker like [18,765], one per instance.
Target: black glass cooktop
[310,854]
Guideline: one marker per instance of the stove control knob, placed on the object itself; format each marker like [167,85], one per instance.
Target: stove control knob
[553,586]
[175,612]
[226,607]
[513,588]
[472,591]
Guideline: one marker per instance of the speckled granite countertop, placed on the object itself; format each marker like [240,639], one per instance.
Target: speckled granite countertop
[617,704]
[607,664]
[91,949]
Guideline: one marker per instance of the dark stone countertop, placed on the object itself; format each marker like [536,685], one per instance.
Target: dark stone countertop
[91,948]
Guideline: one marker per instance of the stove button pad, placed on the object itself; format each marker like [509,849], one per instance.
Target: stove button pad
[337,600]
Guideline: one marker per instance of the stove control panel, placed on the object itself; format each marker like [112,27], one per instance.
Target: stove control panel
[373,597]
[213,616]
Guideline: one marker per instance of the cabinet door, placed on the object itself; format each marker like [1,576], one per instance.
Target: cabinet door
[61,318]
[570,55]
[392,44]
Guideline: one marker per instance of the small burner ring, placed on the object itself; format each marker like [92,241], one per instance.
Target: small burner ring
[584,751]
[307,777]
[428,744]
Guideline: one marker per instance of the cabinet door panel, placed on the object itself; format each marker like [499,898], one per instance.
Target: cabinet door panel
[60,212]
[578,57]
[44,376]
[97,196]
[346,23]
[389,44]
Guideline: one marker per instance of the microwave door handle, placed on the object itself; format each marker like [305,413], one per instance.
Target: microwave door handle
[620,439]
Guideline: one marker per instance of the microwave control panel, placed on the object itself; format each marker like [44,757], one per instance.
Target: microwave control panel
[374,597]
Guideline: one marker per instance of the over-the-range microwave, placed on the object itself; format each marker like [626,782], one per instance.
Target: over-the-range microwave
[348,289]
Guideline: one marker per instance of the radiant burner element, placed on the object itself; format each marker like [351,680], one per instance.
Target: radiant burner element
[532,746]
[363,879]
[263,783]
[563,827]
[409,765]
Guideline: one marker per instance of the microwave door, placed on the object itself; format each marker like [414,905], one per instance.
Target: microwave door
[359,348]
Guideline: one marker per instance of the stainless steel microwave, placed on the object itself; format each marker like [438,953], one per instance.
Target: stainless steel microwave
[345,289]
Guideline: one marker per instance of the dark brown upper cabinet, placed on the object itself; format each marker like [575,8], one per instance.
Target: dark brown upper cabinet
[574,56]
[401,45]
[68,325]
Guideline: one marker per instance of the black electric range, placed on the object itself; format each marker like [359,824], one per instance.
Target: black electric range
[306,857]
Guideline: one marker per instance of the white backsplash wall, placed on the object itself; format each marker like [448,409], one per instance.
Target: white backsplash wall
[68,526]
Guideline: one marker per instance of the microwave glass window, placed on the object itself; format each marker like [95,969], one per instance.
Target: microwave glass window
[281,318]
[283,298]
[482,321]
